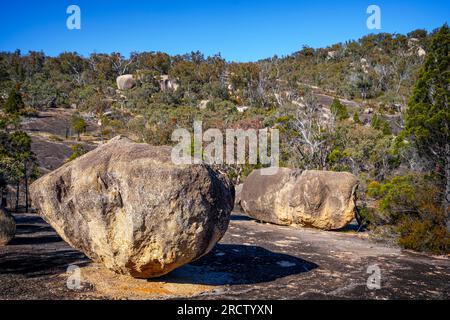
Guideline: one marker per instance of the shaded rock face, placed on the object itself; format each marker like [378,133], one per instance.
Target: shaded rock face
[237,198]
[126,82]
[319,199]
[7,227]
[126,205]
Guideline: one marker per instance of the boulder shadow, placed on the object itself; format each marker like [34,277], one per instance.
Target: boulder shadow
[28,220]
[231,264]
[37,250]
[30,229]
[22,241]
[240,217]
[33,230]
[38,263]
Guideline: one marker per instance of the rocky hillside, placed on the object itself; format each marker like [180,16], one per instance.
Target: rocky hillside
[342,108]
[53,138]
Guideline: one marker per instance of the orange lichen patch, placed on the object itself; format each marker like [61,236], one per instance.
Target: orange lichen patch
[107,284]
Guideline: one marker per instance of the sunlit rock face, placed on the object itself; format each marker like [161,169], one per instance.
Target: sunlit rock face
[319,199]
[126,205]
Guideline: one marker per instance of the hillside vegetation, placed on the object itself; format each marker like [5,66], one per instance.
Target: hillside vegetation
[376,107]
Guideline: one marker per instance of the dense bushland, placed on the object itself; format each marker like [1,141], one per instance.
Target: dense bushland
[393,134]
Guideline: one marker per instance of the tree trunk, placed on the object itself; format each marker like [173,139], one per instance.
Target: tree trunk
[447,184]
[17,196]
[26,185]
[4,197]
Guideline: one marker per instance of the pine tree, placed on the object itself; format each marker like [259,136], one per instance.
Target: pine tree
[428,116]
[356,118]
[339,110]
[79,125]
[14,104]
[21,146]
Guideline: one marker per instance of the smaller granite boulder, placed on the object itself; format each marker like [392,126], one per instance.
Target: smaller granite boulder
[318,199]
[7,227]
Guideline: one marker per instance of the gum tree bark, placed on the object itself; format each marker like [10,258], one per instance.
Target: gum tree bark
[447,184]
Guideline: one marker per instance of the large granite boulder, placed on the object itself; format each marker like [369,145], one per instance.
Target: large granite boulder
[126,82]
[7,227]
[319,199]
[126,205]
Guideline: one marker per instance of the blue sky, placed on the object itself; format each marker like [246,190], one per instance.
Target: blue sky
[240,30]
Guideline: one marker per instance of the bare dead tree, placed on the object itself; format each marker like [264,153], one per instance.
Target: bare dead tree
[311,143]
[77,73]
[120,65]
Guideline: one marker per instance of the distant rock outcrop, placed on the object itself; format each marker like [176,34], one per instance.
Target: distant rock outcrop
[126,82]
[126,205]
[166,83]
[7,227]
[242,109]
[421,52]
[203,104]
[319,199]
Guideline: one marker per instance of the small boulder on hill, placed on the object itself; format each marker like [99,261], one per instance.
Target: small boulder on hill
[127,206]
[126,82]
[7,227]
[319,199]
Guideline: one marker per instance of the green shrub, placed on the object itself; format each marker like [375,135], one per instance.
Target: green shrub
[14,104]
[412,204]
[380,124]
[339,110]
[356,118]
[335,156]
[367,215]
[398,197]
[55,138]
[374,189]
[29,112]
[77,151]
[79,125]
[424,236]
